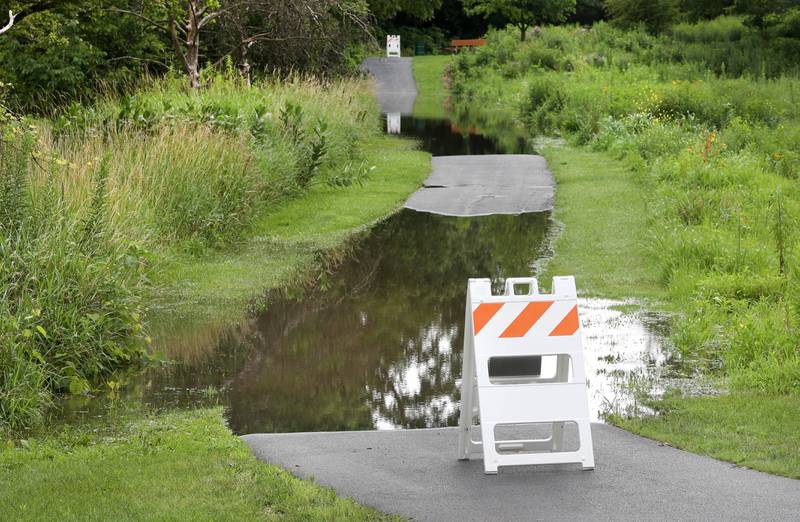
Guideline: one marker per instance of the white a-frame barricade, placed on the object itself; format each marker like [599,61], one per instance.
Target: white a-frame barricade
[514,330]
[392,45]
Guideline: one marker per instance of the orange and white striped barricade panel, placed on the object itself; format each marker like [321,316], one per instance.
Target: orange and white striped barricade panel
[392,45]
[513,330]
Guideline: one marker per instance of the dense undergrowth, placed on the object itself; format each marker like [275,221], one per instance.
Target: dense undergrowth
[710,126]
[94,200]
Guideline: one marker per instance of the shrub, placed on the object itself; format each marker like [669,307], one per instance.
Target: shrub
[542,103]
[120,187]
[69,310]
[713,133]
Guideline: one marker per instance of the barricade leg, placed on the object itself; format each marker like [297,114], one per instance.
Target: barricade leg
[490,460]
[468,391]
[557,438]
[585,434]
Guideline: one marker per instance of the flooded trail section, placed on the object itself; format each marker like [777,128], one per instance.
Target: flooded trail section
[378,344]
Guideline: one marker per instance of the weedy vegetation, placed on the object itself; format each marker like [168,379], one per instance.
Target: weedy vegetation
[705,118]
[94,201]
[716,150]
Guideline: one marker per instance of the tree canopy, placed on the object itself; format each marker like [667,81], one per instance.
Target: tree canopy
[523,13]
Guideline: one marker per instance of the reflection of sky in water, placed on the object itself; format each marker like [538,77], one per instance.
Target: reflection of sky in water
[624,356]
[408,378]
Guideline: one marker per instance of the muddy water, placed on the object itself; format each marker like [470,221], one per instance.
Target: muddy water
[379,345]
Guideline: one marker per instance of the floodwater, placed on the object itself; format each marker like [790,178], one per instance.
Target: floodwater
[379,345]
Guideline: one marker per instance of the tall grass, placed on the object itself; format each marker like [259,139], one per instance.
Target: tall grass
[93,201]
[718,153]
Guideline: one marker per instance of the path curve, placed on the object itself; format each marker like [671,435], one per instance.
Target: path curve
[464,185]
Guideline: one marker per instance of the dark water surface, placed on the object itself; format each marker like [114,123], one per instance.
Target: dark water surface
[443,137]
[379,345]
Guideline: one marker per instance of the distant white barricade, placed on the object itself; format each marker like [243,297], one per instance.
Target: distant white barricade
[393,123]
[392,45]
[506,339]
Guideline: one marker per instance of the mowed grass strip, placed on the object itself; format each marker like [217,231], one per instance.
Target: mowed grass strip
[752,430]
[177,466]
[602,242]
[429,75]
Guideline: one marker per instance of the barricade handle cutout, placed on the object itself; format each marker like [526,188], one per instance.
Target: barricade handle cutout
[512,282]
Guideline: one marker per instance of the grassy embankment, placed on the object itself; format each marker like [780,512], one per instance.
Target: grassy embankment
[696,182]
[178,466]
[200,202]
[195,202]
[429,76]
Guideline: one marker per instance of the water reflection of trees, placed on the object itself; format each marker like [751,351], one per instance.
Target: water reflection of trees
[382,343]
[498,125]
[461,136]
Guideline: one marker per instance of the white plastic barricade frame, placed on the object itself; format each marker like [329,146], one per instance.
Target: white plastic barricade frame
[393,122]
[392,45]
[526,325]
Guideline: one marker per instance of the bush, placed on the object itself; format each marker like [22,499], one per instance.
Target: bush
[542,103]
[121,187]
[69,311]
[655,15]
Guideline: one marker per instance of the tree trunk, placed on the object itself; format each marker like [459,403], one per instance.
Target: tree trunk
[244,68]
[188,49]
[523,29]
[192,58]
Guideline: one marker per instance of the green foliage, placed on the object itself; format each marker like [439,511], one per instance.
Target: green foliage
[420,9]
[69,50]
[69,304]
[654,15]
[523,13]
[93,204]
[60,52]
[716,156]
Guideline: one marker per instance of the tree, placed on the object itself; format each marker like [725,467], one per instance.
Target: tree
[420,9]
[588,12]
[303,29]
[523,13]
[182,21]
[310,35]
[655,15]
[60,50]
[705,9]
[759,11]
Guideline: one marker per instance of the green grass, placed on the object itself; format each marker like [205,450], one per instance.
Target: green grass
[178,466]
[204,201]
[209,205]
[680,184]
[752,430]
[286,243]
[596,198]
[429,75]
